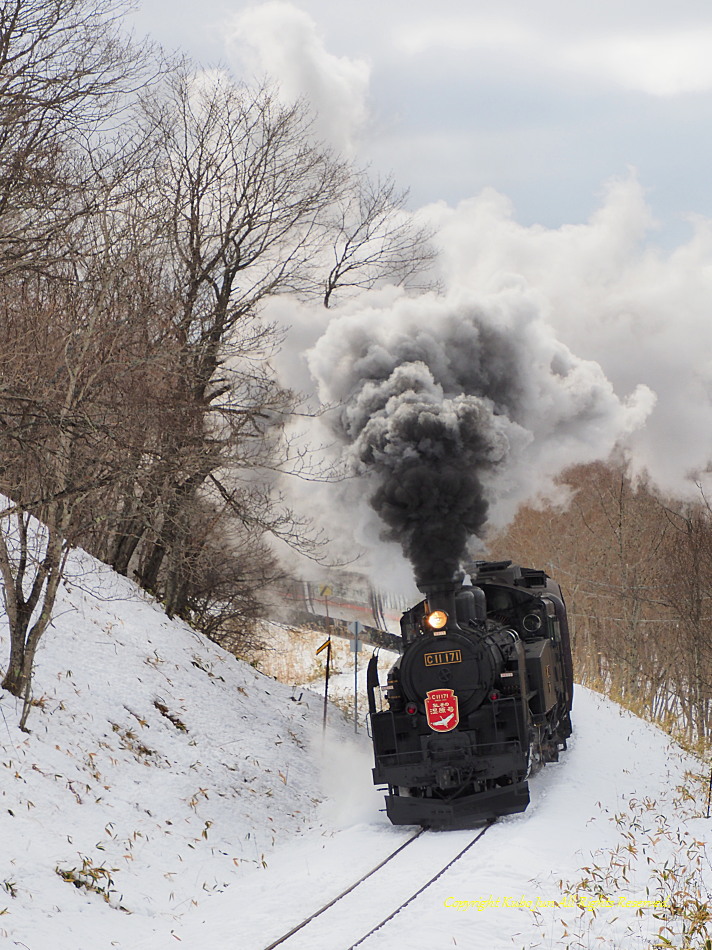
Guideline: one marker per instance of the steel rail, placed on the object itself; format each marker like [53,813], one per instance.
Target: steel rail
[420,890]
[344,893]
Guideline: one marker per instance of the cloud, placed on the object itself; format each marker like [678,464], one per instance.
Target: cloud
[462,33]
[281,41]
[547,347]
[600,337]
[663,64]
[454,409]
[642,315]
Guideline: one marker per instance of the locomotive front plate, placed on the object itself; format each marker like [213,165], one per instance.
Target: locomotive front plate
[442,659]
[442,710]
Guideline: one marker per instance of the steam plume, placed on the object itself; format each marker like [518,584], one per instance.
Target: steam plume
[456,411]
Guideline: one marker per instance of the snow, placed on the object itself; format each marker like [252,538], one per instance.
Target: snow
[203,803]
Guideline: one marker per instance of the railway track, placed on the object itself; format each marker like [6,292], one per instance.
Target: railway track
[306,932]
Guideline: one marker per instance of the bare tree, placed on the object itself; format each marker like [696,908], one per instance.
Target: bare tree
[72,349]
[228,566]
[243,193]
[38,553]
[637,573]
[65,70]
[139,410]
[686,587]
[374,238]
[48,434]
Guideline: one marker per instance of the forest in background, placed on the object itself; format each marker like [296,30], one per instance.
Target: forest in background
[636,571]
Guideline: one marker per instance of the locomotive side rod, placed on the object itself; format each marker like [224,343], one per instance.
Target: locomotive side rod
[343,894]
[424,887]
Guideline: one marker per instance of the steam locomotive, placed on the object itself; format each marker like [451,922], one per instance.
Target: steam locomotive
[480,698]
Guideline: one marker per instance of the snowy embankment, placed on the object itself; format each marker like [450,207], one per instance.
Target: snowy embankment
[179,790]
[158,769]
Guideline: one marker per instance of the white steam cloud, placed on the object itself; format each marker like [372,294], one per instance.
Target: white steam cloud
[455,409]
[642,315]
[281,41]
[547,348]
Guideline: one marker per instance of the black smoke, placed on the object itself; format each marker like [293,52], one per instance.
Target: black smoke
[447,411]
[426,420]
[426,457]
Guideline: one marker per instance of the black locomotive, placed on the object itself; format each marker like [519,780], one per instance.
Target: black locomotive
[479,698]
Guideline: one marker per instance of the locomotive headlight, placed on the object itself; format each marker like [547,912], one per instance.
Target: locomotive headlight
[437,619]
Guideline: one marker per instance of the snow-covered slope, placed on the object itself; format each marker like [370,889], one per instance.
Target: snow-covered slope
[184,787]
[158,769]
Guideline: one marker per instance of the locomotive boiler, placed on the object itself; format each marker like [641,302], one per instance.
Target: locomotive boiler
[479,698]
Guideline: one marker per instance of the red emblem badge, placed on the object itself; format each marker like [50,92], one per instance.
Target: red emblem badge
[441,710]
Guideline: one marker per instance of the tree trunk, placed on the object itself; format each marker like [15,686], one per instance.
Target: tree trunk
[14,680]
[125,545]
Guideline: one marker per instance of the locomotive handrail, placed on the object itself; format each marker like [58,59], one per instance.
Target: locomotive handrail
[560,609]
[372,683]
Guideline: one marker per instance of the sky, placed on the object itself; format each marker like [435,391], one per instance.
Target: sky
[543,102]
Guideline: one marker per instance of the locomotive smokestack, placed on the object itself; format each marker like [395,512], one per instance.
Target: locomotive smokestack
[441,595]
[461,604]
